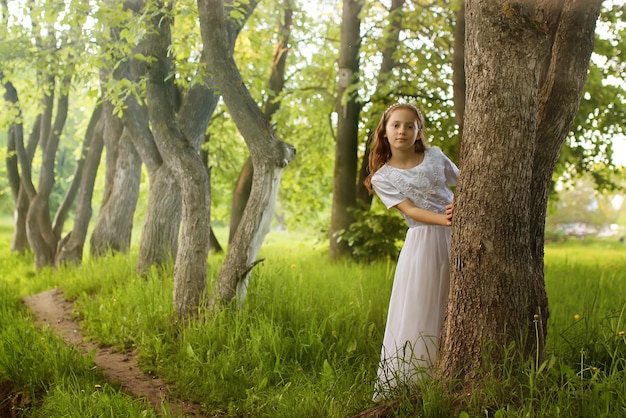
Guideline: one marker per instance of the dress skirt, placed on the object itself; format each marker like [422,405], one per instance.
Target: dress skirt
[416,308]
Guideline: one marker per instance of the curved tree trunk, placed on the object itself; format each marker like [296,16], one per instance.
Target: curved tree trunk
[346,161]
[523,89]
[269,155]
[70,249]
[275,86]
[190,269]
[114,223]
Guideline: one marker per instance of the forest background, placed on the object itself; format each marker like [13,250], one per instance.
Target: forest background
[82,55]
[307,114]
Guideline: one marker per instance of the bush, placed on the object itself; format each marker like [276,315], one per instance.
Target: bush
[375,234]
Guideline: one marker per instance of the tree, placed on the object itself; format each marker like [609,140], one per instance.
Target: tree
[275,86]
[348,109]
[70,248]
[269,155]
[526,64]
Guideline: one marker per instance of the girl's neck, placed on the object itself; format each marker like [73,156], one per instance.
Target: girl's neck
[406,160]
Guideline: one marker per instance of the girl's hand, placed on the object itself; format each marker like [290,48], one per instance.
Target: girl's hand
[449,213]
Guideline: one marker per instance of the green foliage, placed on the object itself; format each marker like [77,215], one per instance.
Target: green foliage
[375,234]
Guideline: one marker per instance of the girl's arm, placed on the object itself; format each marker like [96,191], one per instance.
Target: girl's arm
[425,216]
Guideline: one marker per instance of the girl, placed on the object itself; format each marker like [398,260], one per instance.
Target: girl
[413,178]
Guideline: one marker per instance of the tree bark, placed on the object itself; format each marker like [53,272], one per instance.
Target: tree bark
[70,195]
[497,292]
[275,86]
[269,155]
[39,230]
[114,224]
[348,109]
[190,269]
[70,248]
[19,242]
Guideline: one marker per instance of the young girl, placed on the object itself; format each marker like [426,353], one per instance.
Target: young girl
[413,178]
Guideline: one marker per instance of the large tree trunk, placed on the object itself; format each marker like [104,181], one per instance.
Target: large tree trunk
[346,160]
[70,248]
[190,269]
[272,104]
[269,155]
[522,79]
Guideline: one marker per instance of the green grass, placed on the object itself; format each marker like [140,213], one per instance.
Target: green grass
[306,343]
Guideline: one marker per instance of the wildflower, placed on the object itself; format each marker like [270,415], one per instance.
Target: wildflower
[621,333]
[576,317]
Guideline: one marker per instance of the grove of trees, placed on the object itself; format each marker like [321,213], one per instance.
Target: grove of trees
[261,110]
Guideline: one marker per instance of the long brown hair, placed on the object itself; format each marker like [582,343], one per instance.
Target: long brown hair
[381,150]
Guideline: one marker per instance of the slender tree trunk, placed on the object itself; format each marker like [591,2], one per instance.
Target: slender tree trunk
[70,248]
[269,155]
[275,86]
[522,80]
[70,195]
[19,242]
[348,109]
[39,230]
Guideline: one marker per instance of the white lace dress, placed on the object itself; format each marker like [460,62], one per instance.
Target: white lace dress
[420,287]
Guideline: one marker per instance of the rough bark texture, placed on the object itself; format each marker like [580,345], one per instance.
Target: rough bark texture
[523,75]
[272,104]
[348,109]
[114,224]
[70,248]
[269,155]
[190,269]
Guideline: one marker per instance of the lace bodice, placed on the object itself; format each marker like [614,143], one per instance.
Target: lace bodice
[426,184]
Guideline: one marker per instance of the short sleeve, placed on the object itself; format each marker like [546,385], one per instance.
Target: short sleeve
[450,170]
[386,191]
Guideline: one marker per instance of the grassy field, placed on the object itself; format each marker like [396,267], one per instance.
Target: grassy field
[306,343]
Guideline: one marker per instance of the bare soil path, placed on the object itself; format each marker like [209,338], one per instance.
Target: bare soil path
[52,309]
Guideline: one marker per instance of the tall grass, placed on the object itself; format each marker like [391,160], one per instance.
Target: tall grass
[307,340]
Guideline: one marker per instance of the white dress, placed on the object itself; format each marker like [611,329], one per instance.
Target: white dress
[421,282]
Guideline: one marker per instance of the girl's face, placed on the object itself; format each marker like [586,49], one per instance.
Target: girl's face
[402,130]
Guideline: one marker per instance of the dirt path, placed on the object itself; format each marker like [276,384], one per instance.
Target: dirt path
[51,308]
